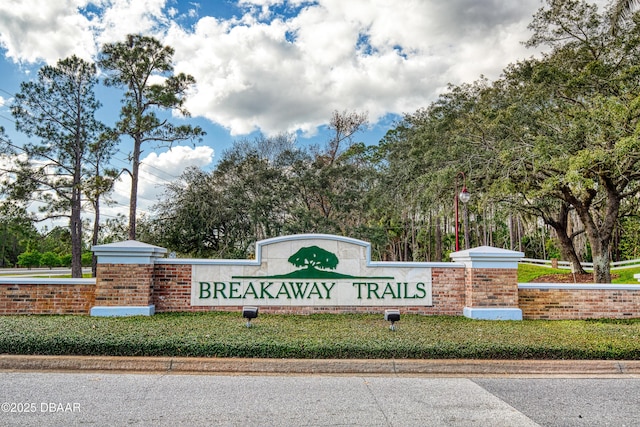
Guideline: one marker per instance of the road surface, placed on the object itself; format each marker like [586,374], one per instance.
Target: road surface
[105,399]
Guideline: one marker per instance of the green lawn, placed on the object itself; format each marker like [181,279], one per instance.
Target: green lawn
[319,336]
[626,276]
[528,273]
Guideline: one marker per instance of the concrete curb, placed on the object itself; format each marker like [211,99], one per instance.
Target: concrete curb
[238,366]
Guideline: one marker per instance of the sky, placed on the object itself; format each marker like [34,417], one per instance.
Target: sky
[271,66]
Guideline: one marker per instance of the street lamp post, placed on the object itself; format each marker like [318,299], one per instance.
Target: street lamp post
[464,197]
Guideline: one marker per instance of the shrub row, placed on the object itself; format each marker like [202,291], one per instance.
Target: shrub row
[318,336]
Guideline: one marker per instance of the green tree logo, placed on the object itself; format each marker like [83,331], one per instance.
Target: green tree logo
[314,261]
[314,257]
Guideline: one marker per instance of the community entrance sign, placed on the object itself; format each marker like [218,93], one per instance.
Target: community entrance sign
[311,270]
[305,273]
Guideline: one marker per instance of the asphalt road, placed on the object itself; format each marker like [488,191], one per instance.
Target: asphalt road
[107,399]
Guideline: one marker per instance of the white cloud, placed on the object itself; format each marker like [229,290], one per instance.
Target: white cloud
[46,30]
[156,171]
[291,73]
[285,65]
[35,30]
[122,17]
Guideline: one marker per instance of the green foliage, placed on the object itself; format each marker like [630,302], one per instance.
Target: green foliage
[16,231]
[554,139]
[65,260]
[318,336]
[29,259]
[56,240]
[552,249]
[265,188]
[630,240]
[50,259]
[87,258]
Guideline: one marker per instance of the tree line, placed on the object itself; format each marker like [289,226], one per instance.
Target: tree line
[549,153]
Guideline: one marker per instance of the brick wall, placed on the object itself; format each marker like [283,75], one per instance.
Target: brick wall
[172,292]
[558,302]
[491,287]
[448,287]
[124,285]
[46,297]
[172,288]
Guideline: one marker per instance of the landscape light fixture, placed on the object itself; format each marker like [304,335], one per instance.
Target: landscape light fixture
[392,315]
[464,197]
[249,313]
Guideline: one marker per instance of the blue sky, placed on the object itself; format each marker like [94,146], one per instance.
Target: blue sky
[272,66]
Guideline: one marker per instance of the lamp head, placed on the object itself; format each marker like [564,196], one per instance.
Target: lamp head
[249,313]
[464,195]
[393,316]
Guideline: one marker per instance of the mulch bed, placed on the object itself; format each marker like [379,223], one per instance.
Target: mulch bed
[567,278]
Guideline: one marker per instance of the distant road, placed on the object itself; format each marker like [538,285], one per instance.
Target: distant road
[39,272]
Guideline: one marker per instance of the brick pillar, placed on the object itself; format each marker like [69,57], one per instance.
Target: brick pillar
[491,283]
[124,278]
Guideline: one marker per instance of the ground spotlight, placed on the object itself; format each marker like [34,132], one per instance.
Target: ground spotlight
[249,313]
[392,315]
